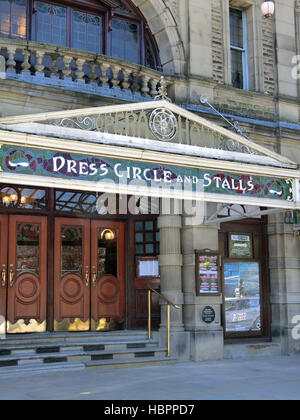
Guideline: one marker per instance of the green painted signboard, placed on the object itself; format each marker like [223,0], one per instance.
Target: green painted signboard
[64,165]
[240,246]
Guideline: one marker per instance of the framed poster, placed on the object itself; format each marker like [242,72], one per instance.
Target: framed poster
[148,267]
[240,245]
[208,273]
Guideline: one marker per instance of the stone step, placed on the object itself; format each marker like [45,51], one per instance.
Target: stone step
[63,351]
[40,368]
[31,357]
[84,337]
[130,363]
[79,344]
[245,350]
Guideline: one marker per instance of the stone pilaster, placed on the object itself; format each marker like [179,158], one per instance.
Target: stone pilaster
[286,52]
[284,247]
[206,339]
[170,261]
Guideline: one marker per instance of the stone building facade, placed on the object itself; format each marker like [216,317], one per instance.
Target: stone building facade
[193,39]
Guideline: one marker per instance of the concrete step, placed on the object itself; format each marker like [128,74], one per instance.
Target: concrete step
[246,350]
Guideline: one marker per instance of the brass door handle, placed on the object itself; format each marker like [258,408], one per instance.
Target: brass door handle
[11,278]
[87,278]
[3,275]
[94,281]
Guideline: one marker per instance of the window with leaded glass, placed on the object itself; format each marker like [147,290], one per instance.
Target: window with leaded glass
[238,45]
[49,23]
[86,31]
[125,40]
[146,238]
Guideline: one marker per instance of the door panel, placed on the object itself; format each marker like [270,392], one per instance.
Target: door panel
[3,267]
[72,275]
[108,291]
[27,274]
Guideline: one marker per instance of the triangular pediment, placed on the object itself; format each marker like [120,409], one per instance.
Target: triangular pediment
[157,121]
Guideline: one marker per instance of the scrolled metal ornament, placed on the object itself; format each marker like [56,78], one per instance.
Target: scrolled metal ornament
[163,124]
[82,123]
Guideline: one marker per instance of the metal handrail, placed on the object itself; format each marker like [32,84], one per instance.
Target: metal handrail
[169,304]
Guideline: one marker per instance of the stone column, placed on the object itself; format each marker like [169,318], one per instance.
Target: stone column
[207,340]
[284,260]
[170,261]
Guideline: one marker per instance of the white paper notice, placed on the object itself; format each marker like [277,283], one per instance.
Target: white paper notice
[149,268]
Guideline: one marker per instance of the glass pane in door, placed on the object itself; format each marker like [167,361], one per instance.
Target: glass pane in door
[242,297]
[72,275]
[71,250]
[28,248]
[107,252]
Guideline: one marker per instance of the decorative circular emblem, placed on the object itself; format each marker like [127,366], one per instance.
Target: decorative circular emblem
[163,124]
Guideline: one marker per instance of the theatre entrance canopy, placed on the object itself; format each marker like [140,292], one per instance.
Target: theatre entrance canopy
[154,149]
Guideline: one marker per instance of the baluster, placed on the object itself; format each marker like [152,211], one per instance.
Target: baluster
[79,72]
[153,84]
[2,67]
[11,63]
[135,85]
[145,88]
[104,69]
[26,65]
[67,59]
[115,79]
[39,63]
[92,75]
[126,82]
[54,66]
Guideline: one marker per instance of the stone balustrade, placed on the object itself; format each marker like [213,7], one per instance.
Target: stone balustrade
[67,67]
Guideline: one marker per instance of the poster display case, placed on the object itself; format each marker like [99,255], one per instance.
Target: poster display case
[208,273]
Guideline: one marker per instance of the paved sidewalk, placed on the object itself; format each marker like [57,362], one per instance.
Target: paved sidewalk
[256,378]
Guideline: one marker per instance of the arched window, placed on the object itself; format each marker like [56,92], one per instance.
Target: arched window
[112,27]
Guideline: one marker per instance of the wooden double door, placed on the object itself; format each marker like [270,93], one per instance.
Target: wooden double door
[89,276]
[23,281]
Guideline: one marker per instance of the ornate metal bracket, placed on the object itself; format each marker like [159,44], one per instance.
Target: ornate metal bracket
[234,125]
